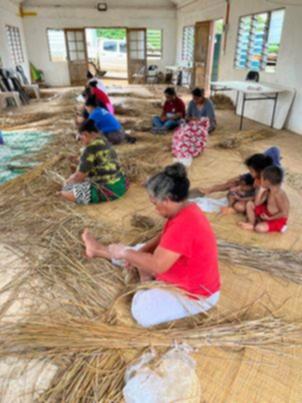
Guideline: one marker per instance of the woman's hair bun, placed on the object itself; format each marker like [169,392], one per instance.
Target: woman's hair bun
[176,171]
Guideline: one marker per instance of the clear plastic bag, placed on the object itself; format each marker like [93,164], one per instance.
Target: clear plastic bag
[167,379]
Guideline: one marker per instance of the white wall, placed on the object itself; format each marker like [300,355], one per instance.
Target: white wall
[9,16]
[56,73]
[289,66]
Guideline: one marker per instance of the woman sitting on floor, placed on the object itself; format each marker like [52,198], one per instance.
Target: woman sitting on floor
[98,177]
[173,111]
[184,255]
[101,96]
[82,115]
[105,122]
[201,107]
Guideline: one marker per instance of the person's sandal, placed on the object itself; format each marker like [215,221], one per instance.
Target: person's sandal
[130,139]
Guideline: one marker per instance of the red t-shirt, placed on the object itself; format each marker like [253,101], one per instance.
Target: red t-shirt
[175,106]
[101,96]
[189,233]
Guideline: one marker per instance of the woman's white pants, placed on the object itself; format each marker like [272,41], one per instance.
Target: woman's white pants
[158,305]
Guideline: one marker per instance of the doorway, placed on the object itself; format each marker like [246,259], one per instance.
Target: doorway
[202,54]
[207,49]
[107,49]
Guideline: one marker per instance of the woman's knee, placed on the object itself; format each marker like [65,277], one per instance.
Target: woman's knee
[139,309]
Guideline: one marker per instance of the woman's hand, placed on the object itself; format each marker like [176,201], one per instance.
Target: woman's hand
[265,217]
[69,180]
[206,191]
[117,251]
[128,266]
[73,158]
[76,177]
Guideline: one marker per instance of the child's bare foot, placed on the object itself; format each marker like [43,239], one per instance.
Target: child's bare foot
[92,246]
[246,226]
[227,210]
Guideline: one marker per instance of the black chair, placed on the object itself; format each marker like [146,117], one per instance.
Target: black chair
[22,75]
[253,76]
[8,97]
[12,76]
[6,80]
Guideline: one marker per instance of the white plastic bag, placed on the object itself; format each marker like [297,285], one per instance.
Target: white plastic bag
[168,379]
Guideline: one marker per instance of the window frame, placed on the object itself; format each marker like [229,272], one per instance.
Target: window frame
[15,49]
[161,51]
[264,53]
[49,48]
[183,42]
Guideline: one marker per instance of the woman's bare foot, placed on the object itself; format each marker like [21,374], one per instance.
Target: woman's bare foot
[92,246]
[246,226]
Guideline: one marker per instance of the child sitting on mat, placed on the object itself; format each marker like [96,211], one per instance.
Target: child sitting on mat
[244,191]
[269,212]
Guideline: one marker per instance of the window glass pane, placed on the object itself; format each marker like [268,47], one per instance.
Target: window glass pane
[188,44]
[73,56]
[140,36]
[81,55]
[274,39]
[80,46]
[258,41]
[141,46]
[134,54]
[71,36]
[154,43]
[72,45]
[133,35]
[79,36]
[57,46]
[15,45]
[241,57]
[110,46]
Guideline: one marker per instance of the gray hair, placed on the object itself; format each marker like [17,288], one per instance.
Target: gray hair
[172,183]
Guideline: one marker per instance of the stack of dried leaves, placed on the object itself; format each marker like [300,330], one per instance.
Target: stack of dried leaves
[238,139]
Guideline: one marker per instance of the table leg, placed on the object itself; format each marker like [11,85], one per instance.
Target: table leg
[236,104]
[274,110]
[242,112]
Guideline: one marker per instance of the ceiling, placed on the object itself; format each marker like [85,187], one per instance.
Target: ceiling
[111,3]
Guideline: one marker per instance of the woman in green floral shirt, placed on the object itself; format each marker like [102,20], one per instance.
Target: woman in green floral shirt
[99,176]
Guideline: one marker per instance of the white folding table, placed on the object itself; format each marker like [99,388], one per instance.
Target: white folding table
[251,91]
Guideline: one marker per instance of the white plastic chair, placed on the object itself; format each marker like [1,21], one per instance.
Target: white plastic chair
[6,95]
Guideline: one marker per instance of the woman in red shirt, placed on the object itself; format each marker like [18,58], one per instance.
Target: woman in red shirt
[183,255]
[101,96]
[173,111]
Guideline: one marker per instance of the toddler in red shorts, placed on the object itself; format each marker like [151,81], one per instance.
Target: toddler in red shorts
[269,212]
